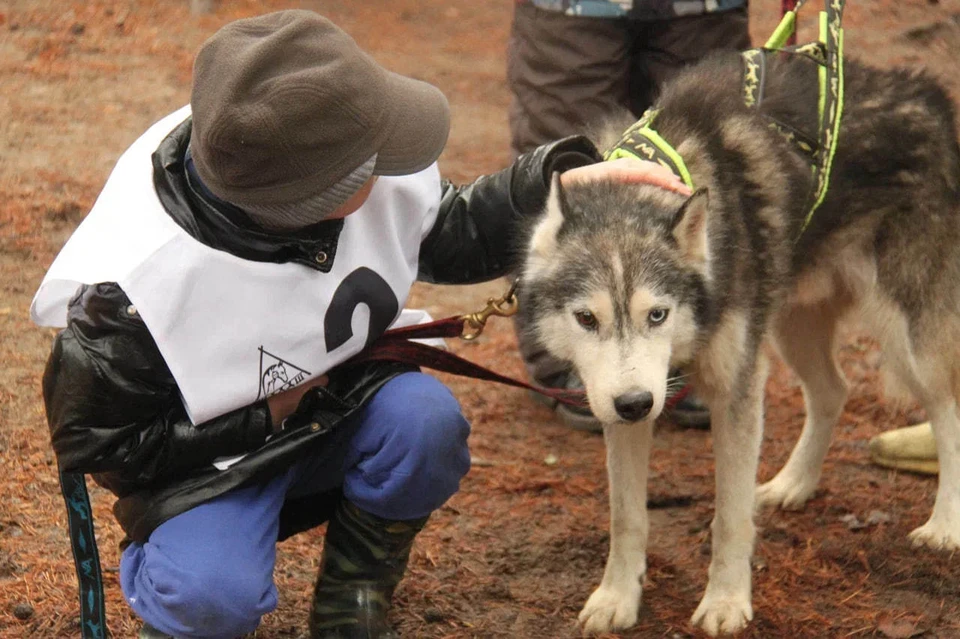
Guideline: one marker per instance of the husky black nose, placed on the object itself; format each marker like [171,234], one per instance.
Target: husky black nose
[633,405]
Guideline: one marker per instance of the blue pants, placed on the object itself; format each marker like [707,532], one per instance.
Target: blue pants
[208,572]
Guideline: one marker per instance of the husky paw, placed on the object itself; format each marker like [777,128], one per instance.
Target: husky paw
[784,492]
[936,535]
[610,609]
[718,614]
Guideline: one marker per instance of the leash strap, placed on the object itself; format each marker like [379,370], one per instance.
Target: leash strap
[441,360]
[395,346]
[86,559]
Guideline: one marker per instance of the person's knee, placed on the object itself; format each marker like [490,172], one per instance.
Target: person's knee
[193,602]
[422,449]
[430,417]
[224,603]
[425,423]
[437,424]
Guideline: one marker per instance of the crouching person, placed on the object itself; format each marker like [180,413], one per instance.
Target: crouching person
[242,251]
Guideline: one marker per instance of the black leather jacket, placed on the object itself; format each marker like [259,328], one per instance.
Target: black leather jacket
[113,406]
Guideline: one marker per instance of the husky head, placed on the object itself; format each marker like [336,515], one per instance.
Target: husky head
[615,281]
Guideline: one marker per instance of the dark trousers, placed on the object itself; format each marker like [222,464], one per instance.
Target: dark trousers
[567,73]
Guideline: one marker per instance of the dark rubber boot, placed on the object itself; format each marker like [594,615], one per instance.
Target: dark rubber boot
[690,412]
[364,558]
[149,632]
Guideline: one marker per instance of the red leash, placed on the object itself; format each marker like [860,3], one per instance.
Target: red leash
[396,346]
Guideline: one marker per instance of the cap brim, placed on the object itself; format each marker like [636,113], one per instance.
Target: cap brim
[419,126]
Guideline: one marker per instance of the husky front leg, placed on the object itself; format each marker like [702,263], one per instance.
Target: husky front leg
[615,603]
[726,607]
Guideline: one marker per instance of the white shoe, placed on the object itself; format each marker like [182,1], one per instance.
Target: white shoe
[912,449]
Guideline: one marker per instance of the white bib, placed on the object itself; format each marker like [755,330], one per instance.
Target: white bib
[233,331]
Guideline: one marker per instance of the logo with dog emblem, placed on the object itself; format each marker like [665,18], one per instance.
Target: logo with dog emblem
[277,375]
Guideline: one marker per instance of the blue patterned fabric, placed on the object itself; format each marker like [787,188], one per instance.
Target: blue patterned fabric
[637,9]
[85,556]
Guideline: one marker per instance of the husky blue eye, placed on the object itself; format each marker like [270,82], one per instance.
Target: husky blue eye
[657,316]
[586,319]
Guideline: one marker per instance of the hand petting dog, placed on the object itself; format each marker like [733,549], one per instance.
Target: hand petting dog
[629,170]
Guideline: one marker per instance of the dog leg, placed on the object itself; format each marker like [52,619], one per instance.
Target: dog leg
[806,339]
[726,607]
[942,530]
[615,603]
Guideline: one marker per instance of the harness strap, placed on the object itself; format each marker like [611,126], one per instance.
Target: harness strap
[86,559]
[827,53]
[831,99]
[641,141]
[754,81]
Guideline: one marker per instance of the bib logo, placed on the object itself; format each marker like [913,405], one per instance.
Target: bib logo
[277,375]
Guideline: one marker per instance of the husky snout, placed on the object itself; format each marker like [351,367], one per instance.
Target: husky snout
[633,395]
[633,405]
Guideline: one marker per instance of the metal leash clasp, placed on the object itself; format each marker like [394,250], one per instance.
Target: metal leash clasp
[504,306]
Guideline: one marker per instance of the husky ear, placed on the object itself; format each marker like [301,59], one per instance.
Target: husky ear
[544,238]
[690,225]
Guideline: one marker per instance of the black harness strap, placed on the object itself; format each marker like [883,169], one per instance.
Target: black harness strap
[827,53]
[754,81]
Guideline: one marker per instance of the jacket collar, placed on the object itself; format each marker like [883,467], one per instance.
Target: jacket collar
[224,227]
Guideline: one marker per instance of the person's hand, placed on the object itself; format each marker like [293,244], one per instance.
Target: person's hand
[282,405]
[628,170]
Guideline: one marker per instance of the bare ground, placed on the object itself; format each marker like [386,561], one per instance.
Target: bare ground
[518,550]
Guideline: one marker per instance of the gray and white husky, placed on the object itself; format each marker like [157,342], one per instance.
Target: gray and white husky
[629,282]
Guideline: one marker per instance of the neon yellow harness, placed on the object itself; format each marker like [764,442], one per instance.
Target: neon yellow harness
[643,142]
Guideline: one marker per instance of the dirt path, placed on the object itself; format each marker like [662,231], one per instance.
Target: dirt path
[518,550]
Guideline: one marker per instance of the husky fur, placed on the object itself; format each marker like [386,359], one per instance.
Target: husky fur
[730,270]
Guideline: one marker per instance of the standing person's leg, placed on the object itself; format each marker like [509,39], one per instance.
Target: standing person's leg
[663,47]
[566,73]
